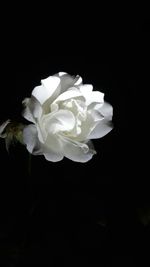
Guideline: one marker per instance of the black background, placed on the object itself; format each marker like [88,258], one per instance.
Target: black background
[66,213]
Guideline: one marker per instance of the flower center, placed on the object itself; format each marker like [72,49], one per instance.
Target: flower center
[79,109]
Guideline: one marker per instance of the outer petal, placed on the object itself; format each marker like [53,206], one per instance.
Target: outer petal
[52,156]
[61,73]
[103,128]
[68,81]
[52,149]
[91,96]
[2,128]
[30,139]
[72,93]
[76,151]
[33,109]
[78,80]
[47,89]
[27,114]
[106,110]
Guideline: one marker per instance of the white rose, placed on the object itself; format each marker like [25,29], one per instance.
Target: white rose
[65,115]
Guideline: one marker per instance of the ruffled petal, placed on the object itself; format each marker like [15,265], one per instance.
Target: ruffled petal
[105,125]
[68,81]
[78,80]
[61,73]
[49,87]
[52,156]
[30,139]
[90,95]
[87,126]
[62,120]
[106,110]
[33,109]
[52,149]
[101,129]
[72,93]
[76,151]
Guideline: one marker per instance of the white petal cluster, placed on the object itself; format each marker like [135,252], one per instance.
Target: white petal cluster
[65,115]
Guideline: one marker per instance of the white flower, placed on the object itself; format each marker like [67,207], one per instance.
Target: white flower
[65,115]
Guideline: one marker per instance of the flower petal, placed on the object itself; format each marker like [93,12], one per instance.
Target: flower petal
[26,113]
[2,128]
[52,149]
[101,129]
[91,96]
[62,120]
[78,80]
[106,110]
[52,156]
[72,93]
[86,88]
[49,86]
[87,126]
[105,125]
[33,109]
[76,151]
[30,139]
[61,73]
[68,81]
